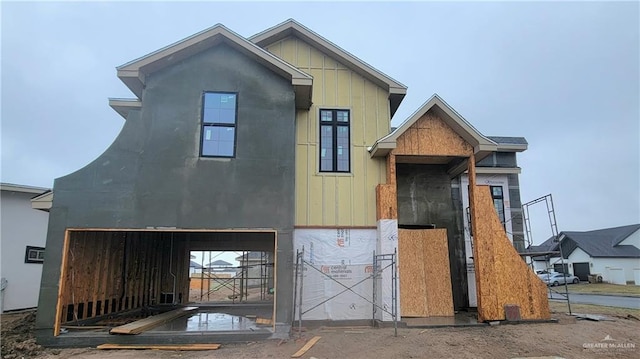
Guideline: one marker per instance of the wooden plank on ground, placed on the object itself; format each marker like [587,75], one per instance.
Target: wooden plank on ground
[263,321]
[306,347]
[160,346]
[142,325]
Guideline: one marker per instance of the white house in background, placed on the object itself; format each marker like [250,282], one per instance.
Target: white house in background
[613,253]
[194,268]
[22,239]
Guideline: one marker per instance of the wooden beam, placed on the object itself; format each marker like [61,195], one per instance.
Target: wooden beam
[142,325]
[62,283]
[181,347]
[306,347]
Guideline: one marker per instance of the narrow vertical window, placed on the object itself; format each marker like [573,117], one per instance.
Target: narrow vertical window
[335,154]
[498,202]
[218,124]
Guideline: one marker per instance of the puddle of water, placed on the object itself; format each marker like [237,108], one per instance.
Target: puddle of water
[206,322]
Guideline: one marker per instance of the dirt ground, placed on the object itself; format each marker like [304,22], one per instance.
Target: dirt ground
[570,338]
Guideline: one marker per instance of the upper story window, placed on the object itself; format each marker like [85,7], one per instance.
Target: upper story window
[219,115]
[335,141]
[498,202]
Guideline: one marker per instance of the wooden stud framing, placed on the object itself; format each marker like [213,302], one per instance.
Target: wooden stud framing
[106,271]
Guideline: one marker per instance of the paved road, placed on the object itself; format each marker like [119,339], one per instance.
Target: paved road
[607,300]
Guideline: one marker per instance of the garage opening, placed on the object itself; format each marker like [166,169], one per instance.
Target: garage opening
[115,278]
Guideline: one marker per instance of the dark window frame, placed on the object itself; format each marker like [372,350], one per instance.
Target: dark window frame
[37,251]
[502,219]
[204,124]
[334,123]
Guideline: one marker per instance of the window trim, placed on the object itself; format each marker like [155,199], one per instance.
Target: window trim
[204,124]
[334,123]
[503,220]
[27,259]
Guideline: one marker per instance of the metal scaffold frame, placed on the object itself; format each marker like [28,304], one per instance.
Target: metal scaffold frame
[548,200]
[238,284]
[379,266]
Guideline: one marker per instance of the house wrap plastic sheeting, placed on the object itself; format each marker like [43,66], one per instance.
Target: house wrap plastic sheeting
[388,244]
[345,255]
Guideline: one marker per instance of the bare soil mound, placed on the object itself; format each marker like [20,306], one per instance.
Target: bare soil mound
[17,335]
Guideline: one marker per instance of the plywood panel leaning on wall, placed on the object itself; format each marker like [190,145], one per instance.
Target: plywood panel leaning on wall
[425,278]
[502,277]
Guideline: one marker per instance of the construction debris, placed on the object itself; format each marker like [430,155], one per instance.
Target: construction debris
[593,317]
[306,347]
[264,321]
[145,324]
[180,347]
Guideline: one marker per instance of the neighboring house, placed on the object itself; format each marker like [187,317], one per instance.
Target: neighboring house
[275,144]
[195,268]
[256,268]
[23,236]
[220,267]
[613,253]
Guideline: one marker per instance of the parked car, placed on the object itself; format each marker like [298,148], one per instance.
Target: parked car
[556,278]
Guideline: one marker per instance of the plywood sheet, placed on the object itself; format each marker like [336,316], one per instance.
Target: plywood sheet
[386,202]
[425,279]
[437,272]
[413,295]
[431,136]
[502,277]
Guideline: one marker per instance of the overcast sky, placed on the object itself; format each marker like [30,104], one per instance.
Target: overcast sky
[564,75]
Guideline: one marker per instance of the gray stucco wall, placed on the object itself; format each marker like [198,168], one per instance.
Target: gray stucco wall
[425,196]
[152,175]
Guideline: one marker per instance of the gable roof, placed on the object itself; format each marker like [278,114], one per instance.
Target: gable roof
[510,144]
[133,73]
[290,27]
[219,263]
[195,265]
[602,242]
[598,243]
[453,119]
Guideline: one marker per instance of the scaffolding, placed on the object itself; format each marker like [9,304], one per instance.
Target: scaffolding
[243,278]
[381,262]
[548,200]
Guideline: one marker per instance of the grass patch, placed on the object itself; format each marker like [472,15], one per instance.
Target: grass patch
[561,307]
[605,288]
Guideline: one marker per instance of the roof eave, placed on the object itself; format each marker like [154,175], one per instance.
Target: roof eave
[122,106]
[134,73]
[22,188]
[43,202]
[512,148]
[397,90]
[381,149]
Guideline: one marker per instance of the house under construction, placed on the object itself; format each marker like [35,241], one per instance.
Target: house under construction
[280,144]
